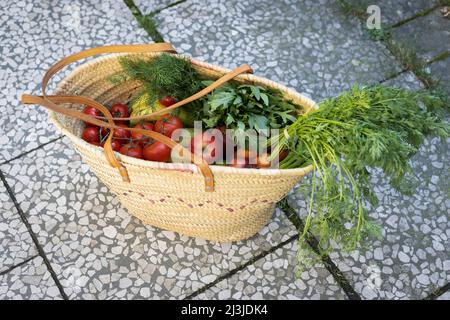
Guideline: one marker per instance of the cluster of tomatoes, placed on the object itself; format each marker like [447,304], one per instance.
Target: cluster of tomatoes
[137,145]
[130,143]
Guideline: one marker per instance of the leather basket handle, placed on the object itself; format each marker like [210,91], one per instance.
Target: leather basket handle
[49,102]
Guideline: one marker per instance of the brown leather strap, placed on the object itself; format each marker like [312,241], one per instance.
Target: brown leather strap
[244,68]
[49,104]
[126,48]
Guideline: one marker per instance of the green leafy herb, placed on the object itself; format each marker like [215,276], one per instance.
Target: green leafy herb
[368,127]
[244,107]
[162,75]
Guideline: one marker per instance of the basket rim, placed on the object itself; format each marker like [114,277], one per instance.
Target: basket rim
[305,101]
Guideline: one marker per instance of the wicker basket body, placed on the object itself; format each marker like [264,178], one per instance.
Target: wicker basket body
[172,196]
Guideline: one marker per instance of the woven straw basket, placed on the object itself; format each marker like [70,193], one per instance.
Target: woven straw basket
[172,196]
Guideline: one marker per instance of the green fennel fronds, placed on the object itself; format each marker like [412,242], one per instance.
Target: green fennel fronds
[363,128]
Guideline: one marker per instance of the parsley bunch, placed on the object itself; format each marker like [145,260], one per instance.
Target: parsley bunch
[365,127]
[242,106]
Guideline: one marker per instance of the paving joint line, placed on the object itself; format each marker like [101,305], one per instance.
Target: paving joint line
[31,150]
[18,265]
[441,56]
[170,5]
[33,236]
[405,56]
[420,14]
[150,28]
[312,241]
[241,267]
[438,292]
[145,21]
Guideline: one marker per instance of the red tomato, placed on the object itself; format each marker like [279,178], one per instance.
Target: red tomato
[122,134]
[120,110]
[139,137]
[115,144]
[103,133]
[168,124]
[263,161]
[167,101]
[91,111]
[91,134]
[96,144]
[247,158]
[249,155]
[234,163]
[157,151]
[238,164]
[132,150]
[208,145]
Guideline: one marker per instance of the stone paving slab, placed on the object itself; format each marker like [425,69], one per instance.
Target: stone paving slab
[99,251]
[441,71]
[35,34]
[413,259]
[16,244]
[393,11]
[273,277]
[405,80]
[428,36]
[149,6]
[445,296]
[30,281]
[307,45]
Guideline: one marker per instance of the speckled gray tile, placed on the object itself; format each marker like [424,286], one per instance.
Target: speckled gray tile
[413,258]
[440,71]
[16,244]
[307,45]
[405,80]
[393,11]
[273,277]
[30,281]
[149,6]
[445,296]
[35,34]
[428,36]
[99,251]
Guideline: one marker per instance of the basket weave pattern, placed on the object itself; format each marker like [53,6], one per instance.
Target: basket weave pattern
[168,195]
